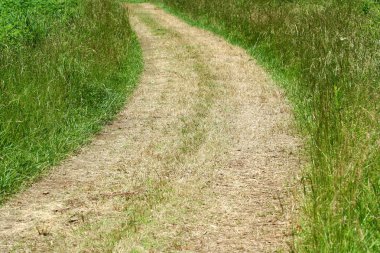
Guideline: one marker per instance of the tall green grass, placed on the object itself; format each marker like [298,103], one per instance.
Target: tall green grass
[66,67]
[29,21]
[326,55]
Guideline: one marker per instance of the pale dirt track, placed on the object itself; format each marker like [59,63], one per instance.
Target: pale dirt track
[200,160]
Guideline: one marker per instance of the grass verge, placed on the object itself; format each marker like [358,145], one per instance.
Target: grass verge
[326,56]
[60,89]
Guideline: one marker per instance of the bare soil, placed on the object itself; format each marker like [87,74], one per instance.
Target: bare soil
[200,160]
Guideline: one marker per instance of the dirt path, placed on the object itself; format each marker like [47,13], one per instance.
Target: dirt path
[199,160]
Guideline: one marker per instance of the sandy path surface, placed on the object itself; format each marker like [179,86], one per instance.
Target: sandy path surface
[199,160]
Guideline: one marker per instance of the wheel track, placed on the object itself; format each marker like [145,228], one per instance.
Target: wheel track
[200,160]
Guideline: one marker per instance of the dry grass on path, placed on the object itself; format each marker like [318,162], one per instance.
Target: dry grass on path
[199,160]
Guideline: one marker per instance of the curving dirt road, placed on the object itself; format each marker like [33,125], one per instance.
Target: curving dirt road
[199,160]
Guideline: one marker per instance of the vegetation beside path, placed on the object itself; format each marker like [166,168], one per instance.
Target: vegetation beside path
[326,55]
[66,68]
